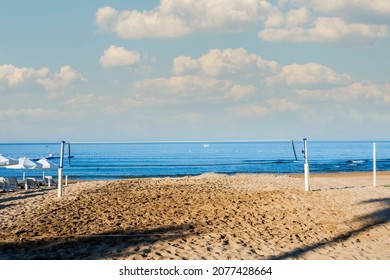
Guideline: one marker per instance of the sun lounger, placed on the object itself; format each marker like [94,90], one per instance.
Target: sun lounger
[49,181]
[32,183]
[12,184]
[3,184]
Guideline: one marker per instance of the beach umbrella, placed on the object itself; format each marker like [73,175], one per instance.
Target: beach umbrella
[25,163]
[6,161]
[46,165]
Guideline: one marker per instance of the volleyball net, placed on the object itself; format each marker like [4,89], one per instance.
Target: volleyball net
[125,154]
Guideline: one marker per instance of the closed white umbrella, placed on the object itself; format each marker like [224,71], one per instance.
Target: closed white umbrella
[6,161]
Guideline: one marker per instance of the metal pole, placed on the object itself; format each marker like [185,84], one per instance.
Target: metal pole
[60,169]
[69,154]
[374,163]
[306,165]
[295,153]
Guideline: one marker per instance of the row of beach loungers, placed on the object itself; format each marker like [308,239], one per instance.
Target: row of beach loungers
[12,184]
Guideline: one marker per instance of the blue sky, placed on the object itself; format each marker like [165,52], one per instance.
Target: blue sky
[194,70]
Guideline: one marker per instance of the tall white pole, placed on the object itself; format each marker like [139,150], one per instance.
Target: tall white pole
[374,164]
[60,169]
[306,165]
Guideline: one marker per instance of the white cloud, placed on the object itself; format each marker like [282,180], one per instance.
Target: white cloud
[342,21]
[352,92]
[283,105]
[35,113]
[185,64]
[250,111]
[270,106]
[386,94]
[175,18]
[298,22]
[193,86]
[295,17]
[367,6]
[238,91]
[354,9]
[62,79]
[229,61]
[118,56]
[135,24]
[141,100]
[307,74]
[325,29]
[106,18]
[80,99]
[11,75]
[179,85]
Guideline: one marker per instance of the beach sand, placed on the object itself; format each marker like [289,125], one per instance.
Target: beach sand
[206,217]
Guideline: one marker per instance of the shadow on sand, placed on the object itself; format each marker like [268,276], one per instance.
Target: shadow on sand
[19,196]
[26,194]
[370,221]
[107,245]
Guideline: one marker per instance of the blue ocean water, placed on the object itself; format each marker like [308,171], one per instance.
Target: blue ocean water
[84,161]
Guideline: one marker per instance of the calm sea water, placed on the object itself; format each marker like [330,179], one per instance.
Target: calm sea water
[157,159]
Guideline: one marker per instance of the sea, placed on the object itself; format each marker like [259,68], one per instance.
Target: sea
[118,160]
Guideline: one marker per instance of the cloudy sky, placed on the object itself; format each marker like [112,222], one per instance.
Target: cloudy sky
[194,70]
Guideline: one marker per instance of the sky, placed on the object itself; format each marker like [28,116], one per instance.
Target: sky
[174,70]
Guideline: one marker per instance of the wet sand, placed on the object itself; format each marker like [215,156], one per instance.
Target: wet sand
[207,217]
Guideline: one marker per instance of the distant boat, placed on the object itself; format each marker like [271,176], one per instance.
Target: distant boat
[52,156]
[205,145]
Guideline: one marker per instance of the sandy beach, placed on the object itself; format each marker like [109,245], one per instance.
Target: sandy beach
[206,217]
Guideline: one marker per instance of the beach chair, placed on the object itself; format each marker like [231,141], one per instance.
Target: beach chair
[3,184]
[12,184]
[49,181]
[31,183]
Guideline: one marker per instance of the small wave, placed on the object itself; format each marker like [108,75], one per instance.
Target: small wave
[356,161]
[256,161]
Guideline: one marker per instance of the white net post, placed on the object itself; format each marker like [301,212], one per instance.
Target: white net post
[306,165]
[60,169]
[374,164]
